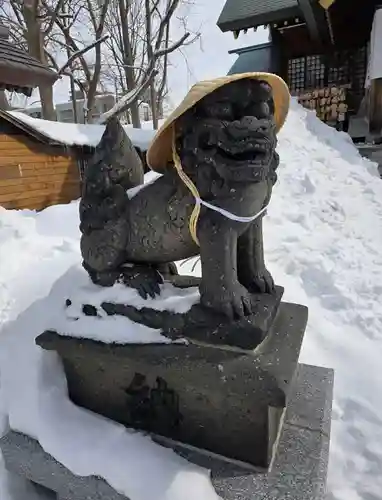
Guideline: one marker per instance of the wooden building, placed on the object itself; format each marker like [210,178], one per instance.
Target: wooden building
[41,163]
[320,47]
[35,171]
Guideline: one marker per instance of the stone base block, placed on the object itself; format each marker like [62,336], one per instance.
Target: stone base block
[298,470]
[185,392]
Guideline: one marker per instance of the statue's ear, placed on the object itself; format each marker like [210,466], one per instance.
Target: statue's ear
[262,91]
[265,87]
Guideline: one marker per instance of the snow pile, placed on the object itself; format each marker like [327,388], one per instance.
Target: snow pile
[77,287]
[79,134]
[323,243]
[33,395]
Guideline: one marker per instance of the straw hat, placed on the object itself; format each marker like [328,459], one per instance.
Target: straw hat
[159,153]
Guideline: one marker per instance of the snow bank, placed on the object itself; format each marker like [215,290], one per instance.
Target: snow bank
[77,134]
[33,394]
[83,441]
[323,242]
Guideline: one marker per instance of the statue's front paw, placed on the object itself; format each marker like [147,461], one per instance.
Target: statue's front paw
[260,282]
[232,300]
[145,279]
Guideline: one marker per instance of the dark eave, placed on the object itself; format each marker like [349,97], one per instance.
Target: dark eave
[250,48]
[18,70]
[244,14]
[253,58]
[16,88]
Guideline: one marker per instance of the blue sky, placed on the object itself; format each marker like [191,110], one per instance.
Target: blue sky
[206,58]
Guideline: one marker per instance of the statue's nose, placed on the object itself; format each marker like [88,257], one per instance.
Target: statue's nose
[241,129]
[249,122]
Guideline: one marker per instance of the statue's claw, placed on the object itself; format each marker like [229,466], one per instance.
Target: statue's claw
[260,282]
[233,301]
[145,279]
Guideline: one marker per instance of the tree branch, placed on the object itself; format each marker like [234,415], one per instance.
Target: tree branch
[53,17]
[131,97]
[81,52]
[145,36]
[163,83]
[98,58]
[17,13]
[73,45]
[173,4]
[102,19]
[91,14]
[52,59]
[171,48]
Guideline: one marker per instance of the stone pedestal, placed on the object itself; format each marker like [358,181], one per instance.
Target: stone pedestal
[298,470]
[225,401]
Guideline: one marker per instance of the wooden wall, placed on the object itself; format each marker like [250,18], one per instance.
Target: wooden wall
[34,175]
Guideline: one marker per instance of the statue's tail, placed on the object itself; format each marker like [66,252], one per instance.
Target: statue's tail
[114,162]
[113,168]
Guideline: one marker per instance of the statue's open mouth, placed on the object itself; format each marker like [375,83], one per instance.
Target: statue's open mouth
[244,135]
[241,156]
[247,146]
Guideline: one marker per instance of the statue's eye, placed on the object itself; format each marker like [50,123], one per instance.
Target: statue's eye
[205,139]
[260,109]
[263,110]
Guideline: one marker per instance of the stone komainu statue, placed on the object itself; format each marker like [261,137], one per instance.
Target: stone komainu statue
[217,156]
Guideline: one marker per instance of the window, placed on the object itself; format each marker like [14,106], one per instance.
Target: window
[66,115]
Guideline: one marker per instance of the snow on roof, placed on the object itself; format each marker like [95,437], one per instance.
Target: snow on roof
[78,134]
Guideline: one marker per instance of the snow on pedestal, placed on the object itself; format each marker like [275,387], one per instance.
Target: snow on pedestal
[69,318]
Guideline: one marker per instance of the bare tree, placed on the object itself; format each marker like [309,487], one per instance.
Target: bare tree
[85,73]
[45,27]
[149,11]
[126,21]
[31,28]
[162,88]
[145,58]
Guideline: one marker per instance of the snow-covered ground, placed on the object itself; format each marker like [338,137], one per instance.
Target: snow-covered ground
[323,242]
